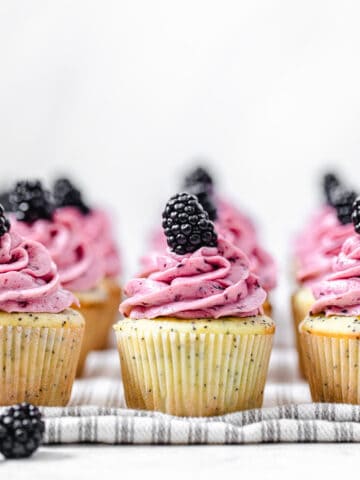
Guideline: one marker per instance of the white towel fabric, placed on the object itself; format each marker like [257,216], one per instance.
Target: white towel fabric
[97,413]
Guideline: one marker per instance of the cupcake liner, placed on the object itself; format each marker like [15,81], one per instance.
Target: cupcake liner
[268,309]
[38,364]
[300,309]
[95,329]
[111,311]
[193,374]
[333,370]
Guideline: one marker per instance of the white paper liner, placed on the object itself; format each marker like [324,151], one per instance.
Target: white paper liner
[333,368]
[191,374]
[38,364]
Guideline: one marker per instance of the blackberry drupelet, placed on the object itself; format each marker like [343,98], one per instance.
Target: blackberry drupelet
[208,205]
[21,431]
[30,201]
[355,217]
[4,201]
[186,225]
[67,195]
[4,222]
[343,202]
[330,184]
[198,181]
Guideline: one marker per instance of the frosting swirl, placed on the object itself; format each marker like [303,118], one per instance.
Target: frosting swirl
[320,242]
[79,267]
[339,292]
[29,280]
[98,232]
[237,229]
[212,282]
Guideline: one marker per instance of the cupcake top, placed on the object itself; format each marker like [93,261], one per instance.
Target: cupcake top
[97,231]
[199,276]
[238,229]
[230,223]
[325,233]
[29,280]
[316,250]
[79,267]
[339,292]
[95,225]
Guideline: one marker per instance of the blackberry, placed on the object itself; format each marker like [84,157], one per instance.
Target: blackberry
[67,195]
[21,431]
[355,217]
[4,201]
[4,222]
[208,205]
[343,201]
[198,181]
[331,184]
[30,201]
[187,225]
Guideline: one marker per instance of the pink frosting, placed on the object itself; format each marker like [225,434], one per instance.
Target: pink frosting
[79,267]
[98,232]
[318,244]
[212,282]
[29,280]
[237,229]
[339,292]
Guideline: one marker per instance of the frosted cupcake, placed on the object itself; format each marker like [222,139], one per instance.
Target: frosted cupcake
[316,248]
[230,223]
[195,341]
[96,227]
[80,269]
[40,336]
[330,335]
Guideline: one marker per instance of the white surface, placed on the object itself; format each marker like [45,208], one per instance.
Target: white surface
[267,462]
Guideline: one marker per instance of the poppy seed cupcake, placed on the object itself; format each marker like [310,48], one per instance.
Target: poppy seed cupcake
[194,341]
[316,248]
[40,336]
[330,335]
[80,268]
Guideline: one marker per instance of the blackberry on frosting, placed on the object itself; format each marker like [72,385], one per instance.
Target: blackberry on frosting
[343,202]
[67,195]
[208,205]
[198,181]
[4,201]
[355,216]
[331,183]
[31,202]
[187,225]
[4,222]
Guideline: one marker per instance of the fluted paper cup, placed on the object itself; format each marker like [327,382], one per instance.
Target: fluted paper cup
[301,302]
[111,311]
[195,367]
[92,308]
[38,356]
[332,354]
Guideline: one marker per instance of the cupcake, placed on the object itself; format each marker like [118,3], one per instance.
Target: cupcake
[194,341]
[316,248]
[40,335]
[230,223]
[96,227]
[79,267]
[330,334]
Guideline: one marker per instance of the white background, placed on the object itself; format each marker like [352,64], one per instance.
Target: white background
[122,94]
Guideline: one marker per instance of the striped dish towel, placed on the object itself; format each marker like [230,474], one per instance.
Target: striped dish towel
[97,413]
